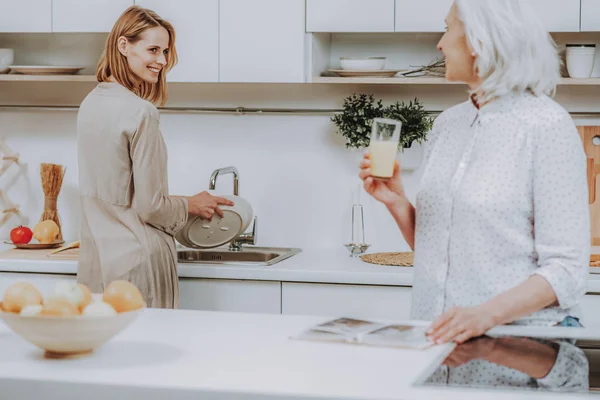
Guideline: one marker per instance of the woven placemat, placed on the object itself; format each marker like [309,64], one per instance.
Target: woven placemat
[406,259]
[390,259]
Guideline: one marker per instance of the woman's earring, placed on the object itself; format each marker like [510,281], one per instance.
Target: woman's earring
[473,54]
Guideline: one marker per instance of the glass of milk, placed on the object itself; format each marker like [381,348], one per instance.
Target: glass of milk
[385,136]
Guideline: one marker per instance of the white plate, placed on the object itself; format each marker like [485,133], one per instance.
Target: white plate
[45,69]
[367,73]
[202,234]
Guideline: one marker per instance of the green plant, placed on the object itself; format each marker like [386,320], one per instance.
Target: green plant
[356,119]
[416,123]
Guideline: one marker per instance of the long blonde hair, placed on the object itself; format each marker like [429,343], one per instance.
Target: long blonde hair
[131,24]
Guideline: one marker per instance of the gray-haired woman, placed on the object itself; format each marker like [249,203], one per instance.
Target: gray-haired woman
[501,228]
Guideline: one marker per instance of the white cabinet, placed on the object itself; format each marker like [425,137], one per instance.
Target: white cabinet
[262,41]
[230,295]
[196,24]
[590,310]
[350,15]
[43,282]
[334,300]
[422,16]
[86,16]
[558,15]
[590,15]
[26,16]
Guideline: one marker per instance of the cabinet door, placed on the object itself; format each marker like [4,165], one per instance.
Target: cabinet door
[196,24]
[422,16]
[43,282]
[349,16]
[358,301]
[589,311]
[230,295]
[590,15]
[262,41]
[558,15]
[26,16]
[86,16]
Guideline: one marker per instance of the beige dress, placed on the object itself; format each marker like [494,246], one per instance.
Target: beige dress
[128,218]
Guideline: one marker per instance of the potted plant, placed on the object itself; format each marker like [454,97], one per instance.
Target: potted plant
[356,120]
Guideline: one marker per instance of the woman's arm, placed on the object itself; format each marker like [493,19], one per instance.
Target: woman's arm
[151,200]
[404,215]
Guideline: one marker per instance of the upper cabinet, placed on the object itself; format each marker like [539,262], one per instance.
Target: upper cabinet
[422,16]
[559,15]
[26,16]
[350,15]
[86,16]
[262,41]
[590,15]
[196,24]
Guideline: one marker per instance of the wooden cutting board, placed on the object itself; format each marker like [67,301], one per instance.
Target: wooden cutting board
[71,254]
[592,151]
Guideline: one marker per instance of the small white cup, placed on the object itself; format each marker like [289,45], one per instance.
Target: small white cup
[7,57]
[580,60]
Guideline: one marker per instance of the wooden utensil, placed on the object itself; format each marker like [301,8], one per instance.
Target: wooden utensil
[72,245]
[589,135]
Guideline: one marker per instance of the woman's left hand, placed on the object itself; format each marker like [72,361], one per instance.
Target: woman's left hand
[460,324]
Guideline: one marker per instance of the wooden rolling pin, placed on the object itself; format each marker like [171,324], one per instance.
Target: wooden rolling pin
[72,245]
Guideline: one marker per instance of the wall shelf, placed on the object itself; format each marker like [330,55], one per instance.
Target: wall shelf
[431,81]
[320,79]
[46,78]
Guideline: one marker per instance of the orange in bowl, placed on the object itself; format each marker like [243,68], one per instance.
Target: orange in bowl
[123,296]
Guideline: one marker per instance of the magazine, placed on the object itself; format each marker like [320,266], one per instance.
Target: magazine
[356,331]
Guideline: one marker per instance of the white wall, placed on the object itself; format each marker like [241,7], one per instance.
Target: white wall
[294,169]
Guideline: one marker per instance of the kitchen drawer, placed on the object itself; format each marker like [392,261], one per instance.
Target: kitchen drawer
[230,295]
[359,301]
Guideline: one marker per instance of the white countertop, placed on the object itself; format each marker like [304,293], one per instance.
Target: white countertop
[319,266]
[180,354]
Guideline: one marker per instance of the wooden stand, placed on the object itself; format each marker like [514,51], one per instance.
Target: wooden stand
[6,205]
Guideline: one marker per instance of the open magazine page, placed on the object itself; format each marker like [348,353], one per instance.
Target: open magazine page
[368,333]
[339,330]
[398,336]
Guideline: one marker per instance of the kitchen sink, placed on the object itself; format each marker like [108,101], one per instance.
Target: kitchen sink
[246,256]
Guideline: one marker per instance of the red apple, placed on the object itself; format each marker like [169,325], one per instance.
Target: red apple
[21,235]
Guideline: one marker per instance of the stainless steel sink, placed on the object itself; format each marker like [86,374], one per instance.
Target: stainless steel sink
[246,256]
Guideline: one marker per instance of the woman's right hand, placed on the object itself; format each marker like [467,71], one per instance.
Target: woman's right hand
[206,205]
[390,191]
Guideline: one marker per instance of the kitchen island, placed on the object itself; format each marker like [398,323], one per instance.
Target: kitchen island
[180,354]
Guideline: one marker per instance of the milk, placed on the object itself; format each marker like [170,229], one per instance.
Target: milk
[383,157]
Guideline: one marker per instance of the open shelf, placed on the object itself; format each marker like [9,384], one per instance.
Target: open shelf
[424,80]
[46,78]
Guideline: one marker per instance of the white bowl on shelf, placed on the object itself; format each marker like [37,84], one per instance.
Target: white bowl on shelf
[362,63]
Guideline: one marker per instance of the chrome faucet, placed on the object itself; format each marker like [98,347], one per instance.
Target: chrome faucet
[226,170]
[244,238]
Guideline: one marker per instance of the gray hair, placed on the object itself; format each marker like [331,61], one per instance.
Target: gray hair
[514,50]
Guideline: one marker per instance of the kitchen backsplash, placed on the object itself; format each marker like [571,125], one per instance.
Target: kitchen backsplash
[294,169]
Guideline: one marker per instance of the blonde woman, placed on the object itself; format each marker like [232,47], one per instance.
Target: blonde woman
[500,228]
[129,218]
